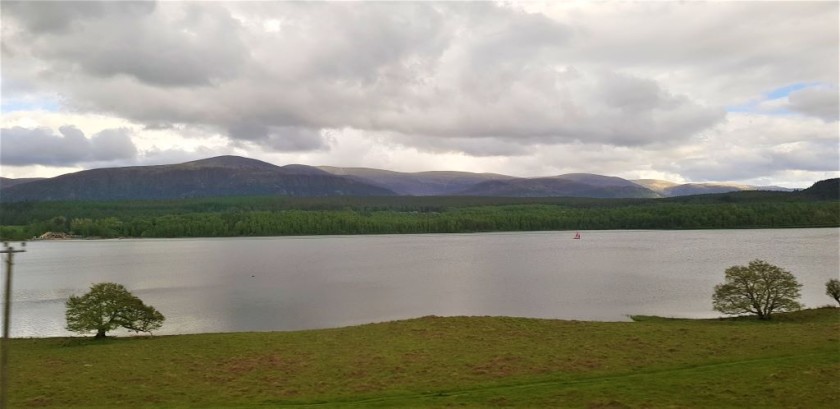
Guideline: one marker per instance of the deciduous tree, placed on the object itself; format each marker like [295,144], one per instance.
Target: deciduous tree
[759,288]
[832,288]
[108,306]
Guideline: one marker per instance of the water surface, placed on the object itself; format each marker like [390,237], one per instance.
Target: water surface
[289,283]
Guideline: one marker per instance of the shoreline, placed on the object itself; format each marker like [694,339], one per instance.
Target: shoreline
[631,319]
[97,238]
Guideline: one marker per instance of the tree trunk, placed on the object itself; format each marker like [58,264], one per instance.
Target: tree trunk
[100,334]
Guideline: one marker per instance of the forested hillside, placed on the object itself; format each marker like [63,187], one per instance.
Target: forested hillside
[264,216]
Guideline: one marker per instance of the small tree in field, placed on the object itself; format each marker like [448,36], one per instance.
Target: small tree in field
[832,288]
[108,306]
[759,288]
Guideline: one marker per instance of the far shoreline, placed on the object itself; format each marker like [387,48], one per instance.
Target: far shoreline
[99,238]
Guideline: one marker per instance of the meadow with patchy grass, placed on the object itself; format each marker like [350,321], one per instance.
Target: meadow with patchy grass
[792,361]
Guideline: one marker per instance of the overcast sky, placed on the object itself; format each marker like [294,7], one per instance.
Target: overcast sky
[688,92]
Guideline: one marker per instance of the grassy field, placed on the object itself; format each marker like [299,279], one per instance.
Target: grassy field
[793,361]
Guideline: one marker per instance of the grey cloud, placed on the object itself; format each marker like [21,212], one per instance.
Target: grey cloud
[716,51]
[60,16]
[723,168]
[249,131]
[111,144]
[280,138]
[744,164]
[537,104]
[169,44]
[632,94]
[41,146]
[290,139]
[479,147]
[812,156]
[749,146]
[158,126]
[508,41]
[71,134]
[356,42]
[820,102]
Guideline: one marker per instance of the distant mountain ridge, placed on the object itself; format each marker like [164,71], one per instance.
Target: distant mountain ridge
[435,183]
[220,176]
[570,185]
[238,176]
[8,182]
[671,189]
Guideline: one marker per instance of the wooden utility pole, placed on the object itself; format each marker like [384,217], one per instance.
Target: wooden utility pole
[7,306]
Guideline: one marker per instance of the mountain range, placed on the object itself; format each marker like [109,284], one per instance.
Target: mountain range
[671,189]
[238,176]
[219,176]
[445,183]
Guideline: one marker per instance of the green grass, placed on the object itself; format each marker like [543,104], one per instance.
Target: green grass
[792,361]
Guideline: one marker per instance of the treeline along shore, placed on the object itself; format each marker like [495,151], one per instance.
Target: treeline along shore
[276,216]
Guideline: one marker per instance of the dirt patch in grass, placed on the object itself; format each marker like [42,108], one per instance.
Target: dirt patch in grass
[611,404]
[500,367]
[270,363]
[38,402]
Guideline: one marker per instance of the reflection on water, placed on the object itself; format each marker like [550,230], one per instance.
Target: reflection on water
[286,283]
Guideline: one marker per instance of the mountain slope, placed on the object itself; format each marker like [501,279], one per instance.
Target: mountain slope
[656,185]
[671,189]
[436,183]
[571,185]
[238,176]
[828,189]
[221,176]
[8,182]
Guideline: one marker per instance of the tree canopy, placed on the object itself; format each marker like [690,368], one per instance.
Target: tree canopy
[108,306]
[832,289]
[275,216]
[759,288]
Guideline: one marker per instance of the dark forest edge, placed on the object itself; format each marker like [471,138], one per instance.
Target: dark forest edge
[278,216]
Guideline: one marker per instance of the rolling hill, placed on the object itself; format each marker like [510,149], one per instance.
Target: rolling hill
[237,176]
[444,183]
[570,185]
[828,189]
[671,189]
[9,182]
[437,183]
[220,176]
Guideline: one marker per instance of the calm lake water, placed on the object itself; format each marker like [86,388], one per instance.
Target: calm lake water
[289,283]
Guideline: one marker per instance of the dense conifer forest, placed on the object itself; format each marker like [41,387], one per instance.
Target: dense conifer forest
[275,216]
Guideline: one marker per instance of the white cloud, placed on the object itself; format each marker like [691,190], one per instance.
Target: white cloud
[757,147]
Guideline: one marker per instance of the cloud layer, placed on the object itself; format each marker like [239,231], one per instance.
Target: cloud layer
[68,147]
[474,80]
